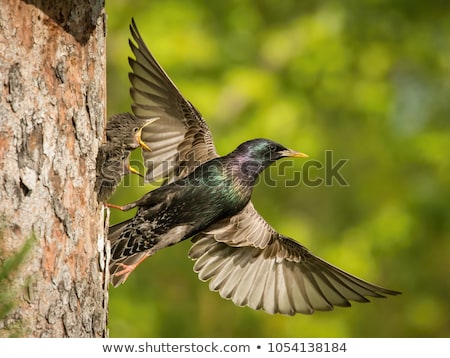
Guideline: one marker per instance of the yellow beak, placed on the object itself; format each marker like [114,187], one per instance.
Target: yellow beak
[139,134]
[293,154]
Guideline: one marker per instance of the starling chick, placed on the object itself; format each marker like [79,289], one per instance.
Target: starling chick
[207,198]
[123,134]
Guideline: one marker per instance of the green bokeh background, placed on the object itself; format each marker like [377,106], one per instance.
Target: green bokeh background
[369,80]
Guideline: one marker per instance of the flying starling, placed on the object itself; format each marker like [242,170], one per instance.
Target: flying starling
[207,198]
[123,134]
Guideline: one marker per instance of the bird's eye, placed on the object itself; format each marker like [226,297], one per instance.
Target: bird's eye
[135,129]
[273,147]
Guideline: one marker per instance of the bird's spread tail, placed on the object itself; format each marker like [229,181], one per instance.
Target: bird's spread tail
[121,264]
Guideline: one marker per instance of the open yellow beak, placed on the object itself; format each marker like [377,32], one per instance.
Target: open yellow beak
[134,171]
[139,134]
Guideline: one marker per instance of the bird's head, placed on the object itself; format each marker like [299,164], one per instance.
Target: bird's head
[257,154]
[121,130]
[124,130]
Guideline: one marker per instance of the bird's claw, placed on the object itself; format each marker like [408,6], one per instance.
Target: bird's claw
[126,270]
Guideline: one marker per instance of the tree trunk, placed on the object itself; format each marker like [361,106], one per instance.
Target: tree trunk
[53,272]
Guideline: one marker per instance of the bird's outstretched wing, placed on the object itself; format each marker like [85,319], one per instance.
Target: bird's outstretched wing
[180,139]
[247,261]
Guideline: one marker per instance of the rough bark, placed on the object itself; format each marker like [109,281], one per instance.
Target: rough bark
[52,109]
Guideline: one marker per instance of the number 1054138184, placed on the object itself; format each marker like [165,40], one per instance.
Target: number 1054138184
[306,347]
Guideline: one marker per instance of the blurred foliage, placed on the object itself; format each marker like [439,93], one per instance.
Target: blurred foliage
[9,265]
[369,80]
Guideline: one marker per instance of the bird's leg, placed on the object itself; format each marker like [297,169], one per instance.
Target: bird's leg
[127,269]
[114,206]
[121,207]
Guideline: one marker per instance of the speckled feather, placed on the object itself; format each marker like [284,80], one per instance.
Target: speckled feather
[113,156]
